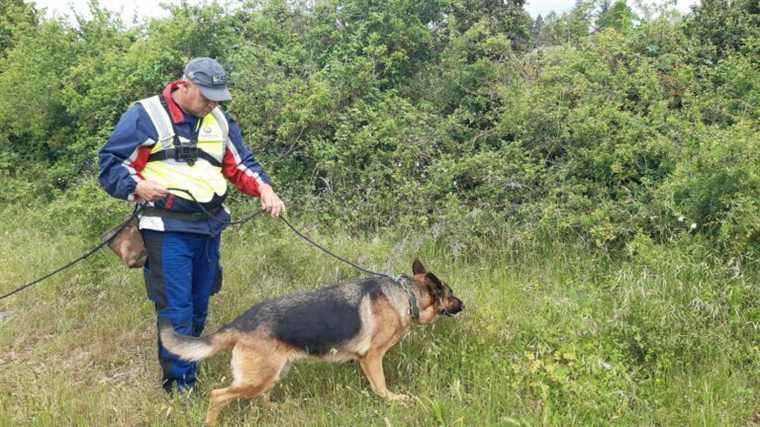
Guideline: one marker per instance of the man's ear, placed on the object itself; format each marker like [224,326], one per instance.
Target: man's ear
[418,268]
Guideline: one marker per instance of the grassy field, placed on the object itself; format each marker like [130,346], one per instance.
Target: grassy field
[560,336]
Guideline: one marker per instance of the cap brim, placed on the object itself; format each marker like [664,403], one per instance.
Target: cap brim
[216,94]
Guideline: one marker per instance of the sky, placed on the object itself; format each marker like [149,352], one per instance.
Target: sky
[544,7]
[129,9]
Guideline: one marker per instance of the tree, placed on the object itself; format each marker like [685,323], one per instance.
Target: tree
[501,16]
[618,16]
[15,15]
[538,28]
[722,27]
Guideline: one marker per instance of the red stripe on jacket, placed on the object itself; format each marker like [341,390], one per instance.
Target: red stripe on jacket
[240,178]
[141,160]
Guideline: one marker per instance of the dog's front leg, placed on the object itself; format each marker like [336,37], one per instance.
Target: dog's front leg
[372,365]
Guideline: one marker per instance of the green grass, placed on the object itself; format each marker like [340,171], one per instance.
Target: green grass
[557,336]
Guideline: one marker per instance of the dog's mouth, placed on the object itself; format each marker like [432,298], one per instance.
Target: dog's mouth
[453,312]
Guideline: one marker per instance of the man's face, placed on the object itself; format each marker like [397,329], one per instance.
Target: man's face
[194,101]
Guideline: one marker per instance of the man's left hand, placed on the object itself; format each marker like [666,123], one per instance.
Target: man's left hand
[270,202]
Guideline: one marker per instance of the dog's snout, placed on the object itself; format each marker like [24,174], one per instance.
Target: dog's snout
[455,307]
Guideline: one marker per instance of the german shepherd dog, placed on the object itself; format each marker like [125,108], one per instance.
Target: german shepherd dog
[358,320]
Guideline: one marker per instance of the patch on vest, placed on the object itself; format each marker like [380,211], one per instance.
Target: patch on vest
[210,133]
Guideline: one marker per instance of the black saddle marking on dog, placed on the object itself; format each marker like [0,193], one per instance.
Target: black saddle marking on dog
[319,325]
[315,322]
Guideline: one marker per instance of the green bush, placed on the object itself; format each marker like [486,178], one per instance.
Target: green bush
[715,190]
[432,113]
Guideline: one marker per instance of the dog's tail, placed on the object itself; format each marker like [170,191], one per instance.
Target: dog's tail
[192,348]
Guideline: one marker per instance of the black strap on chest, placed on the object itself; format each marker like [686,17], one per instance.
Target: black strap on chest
[187,152]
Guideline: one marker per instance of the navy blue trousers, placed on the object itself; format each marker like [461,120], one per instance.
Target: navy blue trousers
[181,274]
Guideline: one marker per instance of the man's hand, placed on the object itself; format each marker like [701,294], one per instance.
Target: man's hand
[270,202]
[150,191]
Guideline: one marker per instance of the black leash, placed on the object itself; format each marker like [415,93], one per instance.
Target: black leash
[118,229]
[339,258]
[298,233]
[115,231]
[210,217]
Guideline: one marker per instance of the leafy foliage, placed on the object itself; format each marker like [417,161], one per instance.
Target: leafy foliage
[598,125]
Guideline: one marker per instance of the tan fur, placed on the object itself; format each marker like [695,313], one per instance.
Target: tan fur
[256,366]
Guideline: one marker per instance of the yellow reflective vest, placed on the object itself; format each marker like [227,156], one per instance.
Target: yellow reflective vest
[203,178]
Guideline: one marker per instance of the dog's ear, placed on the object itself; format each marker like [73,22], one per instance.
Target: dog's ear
[435,284]
[418,268]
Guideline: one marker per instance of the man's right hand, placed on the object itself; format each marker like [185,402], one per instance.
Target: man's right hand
[150,191]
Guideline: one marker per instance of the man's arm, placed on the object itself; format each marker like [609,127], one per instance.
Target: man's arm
[240,167]
[125,155]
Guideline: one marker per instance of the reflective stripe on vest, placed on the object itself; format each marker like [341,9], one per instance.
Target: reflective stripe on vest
[202,179]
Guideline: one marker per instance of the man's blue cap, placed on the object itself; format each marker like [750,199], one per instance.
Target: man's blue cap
[210,78]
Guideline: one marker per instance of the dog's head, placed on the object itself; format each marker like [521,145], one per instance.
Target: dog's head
[443,300]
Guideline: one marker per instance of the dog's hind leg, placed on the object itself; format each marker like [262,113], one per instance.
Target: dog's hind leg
[254,370]
[372,365]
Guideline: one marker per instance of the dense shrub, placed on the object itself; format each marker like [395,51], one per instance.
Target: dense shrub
[597,125]
[716,190]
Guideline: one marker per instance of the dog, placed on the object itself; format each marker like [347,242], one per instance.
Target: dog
[359,320]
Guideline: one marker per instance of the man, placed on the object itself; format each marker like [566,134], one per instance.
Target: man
[174,152]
